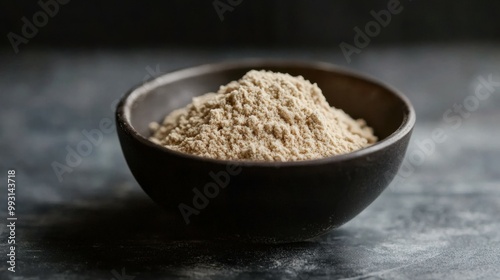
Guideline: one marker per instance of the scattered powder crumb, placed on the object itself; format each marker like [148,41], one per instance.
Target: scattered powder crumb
[264,116]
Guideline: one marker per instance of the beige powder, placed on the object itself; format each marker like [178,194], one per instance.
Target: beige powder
[264,116]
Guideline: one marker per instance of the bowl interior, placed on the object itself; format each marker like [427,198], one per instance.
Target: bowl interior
[360,97]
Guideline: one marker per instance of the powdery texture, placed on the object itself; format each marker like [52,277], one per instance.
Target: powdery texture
[264,116]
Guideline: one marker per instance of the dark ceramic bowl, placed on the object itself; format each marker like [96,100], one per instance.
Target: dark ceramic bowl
[264,201]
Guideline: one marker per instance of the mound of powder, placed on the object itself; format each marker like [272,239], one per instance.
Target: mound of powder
[264,116]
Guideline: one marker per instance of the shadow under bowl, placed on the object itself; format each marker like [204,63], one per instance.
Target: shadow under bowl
[267,202]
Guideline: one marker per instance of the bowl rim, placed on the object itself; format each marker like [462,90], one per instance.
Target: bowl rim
[123,108]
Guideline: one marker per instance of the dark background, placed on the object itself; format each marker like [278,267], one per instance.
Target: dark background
[195,23]
[441,222]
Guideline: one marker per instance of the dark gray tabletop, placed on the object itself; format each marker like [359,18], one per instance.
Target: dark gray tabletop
[440,218]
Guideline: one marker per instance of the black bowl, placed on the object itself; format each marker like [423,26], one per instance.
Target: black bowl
[264,201]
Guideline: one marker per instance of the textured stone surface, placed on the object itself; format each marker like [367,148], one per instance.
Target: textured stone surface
[439,220]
